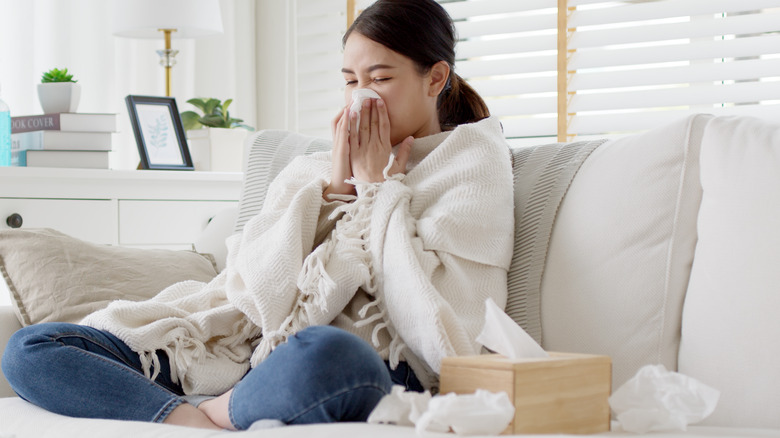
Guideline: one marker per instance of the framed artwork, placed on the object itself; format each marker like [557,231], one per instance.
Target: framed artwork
[159,133]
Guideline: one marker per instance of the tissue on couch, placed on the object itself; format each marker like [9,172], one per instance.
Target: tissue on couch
[659,400]
[481,413]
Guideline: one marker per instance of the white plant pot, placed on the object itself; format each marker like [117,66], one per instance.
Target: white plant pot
[59,97]
[217,149]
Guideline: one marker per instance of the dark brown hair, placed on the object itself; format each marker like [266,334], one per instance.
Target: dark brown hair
[423,31]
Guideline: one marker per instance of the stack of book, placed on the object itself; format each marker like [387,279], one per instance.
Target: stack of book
[62,140]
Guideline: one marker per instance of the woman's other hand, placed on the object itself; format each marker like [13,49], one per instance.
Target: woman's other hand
[340,157]
[370,146]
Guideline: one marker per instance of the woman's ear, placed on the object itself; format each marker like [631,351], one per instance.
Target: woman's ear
[438,78]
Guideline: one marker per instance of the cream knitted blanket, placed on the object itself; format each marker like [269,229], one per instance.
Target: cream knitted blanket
[429,247]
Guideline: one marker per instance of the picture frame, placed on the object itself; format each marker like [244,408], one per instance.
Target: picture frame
[159,133]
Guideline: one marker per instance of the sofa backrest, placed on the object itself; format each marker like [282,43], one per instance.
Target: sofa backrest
[617,268]
[730,325]
[615,272]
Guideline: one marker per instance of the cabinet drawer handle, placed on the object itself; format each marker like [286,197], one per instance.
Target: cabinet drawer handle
[14,220]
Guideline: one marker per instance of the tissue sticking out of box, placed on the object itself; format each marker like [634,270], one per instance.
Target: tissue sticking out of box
[358,96]
[504,336]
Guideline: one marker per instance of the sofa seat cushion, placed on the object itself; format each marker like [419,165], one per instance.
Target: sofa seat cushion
[621,250]
[23,420]
[55,277]
[730,326]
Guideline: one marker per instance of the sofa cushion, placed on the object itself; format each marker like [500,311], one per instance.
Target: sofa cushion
[541,176]
[55,277]
[730,324]
[621,249]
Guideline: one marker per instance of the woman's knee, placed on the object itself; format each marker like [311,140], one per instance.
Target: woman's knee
[336,351]
[320,374]
[23,346]
[326,343]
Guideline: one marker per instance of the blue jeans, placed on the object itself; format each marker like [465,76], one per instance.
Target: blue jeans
[322,374]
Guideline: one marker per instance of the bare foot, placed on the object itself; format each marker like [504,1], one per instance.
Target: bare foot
[216,410]
[187,415]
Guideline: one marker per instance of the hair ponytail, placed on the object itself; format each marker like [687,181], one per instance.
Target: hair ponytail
[423,31]
[459,104]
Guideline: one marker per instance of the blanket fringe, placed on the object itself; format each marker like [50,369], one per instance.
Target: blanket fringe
[315,285]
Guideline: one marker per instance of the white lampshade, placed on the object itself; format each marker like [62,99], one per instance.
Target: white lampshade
[145,18]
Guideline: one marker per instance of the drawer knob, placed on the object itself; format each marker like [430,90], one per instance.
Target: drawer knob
[14,220]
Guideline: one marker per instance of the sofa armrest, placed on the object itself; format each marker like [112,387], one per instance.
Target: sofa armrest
[8,325]
[212,240]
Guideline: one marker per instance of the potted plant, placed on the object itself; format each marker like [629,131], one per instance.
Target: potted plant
[58,92]
[214,142]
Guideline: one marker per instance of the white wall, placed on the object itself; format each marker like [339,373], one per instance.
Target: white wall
[274,65]
[37,35]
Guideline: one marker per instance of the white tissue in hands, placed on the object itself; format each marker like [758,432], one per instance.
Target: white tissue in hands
[358,96]
[659,400]
[504,336]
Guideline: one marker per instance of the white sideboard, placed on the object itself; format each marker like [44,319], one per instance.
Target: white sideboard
[140,208]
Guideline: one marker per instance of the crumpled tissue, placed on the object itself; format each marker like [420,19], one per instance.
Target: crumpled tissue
[659,400]
[481,413]
[358,96]
[504,336]
[400,407]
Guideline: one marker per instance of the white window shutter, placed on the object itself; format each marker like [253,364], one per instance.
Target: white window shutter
[630,65]
[507,52]
[640,64]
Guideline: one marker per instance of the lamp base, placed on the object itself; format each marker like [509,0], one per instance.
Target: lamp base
[167,57]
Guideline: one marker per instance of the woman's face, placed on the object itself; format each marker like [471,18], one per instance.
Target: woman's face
[411,108]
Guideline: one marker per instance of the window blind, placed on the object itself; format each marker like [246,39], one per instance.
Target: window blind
[624,65]
[507,52]
[633,65]
[513,70]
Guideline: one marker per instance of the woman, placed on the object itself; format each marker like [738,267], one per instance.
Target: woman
[364,269]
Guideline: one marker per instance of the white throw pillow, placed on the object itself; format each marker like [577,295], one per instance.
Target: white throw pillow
[731,321]
[621,250]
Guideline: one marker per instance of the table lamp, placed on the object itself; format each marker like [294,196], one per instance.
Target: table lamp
[167,19]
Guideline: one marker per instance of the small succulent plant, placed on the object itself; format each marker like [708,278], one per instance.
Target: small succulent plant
[57,75]
[215,115]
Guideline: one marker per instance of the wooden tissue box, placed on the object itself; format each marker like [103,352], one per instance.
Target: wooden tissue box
[563,393]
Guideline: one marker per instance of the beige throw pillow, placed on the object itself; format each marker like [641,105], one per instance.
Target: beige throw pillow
[55,277]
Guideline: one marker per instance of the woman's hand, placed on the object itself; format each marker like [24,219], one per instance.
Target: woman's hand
[369,144]
[340,157]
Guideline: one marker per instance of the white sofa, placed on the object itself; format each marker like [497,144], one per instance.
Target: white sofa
[665,249]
